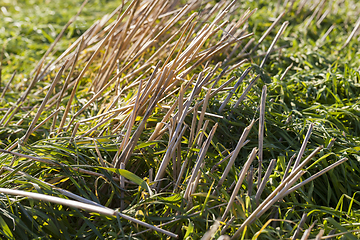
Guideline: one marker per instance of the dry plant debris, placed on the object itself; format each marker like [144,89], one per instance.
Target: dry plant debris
[127,108]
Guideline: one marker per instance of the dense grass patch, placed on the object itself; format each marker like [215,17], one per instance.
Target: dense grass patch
[164,119]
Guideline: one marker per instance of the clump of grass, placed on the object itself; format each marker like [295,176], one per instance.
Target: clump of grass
[149,124]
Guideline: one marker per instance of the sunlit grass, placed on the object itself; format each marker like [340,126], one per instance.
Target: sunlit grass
[164,131]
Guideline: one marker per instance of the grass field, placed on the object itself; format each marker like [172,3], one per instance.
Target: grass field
[157,120]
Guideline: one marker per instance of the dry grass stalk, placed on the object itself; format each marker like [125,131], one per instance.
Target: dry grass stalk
[266,204]
[235,66]
[239,145]
[176,145]
[281,30]
[117,74]
[191,145]
[277,20]
[101,160]
[316,175]
[303,146]
[277,193]
[8,112]
[263,182]
[97,125]
[288,167]
[124,157]
[352,34]
[203,110]
[8,84]
[301,6]
[315,12]
[233,90]
[243,51]
[166,158]
[250,180]
[124,109]
[197,179]
[331,143]
[333,231]
[85,206]
[301,224]
[261,131]
[327,33]
[201,133]
[26,115]
[61,94]
[59,36]
[280,194]
[212,51]
[73,134]
[53,114]
[323,16]
[246,91]
[320,234]
[42,106]
[241,178]
[132,118]
[306,234]
[102,43]
[227,225]
[159,125]
[211,232]
[232,29]
[1,60]
[182,170]
[285,72]
[223,160]
[67,109]
[180,101]
[223,86]
[122,185]
[62,191]
[199,160]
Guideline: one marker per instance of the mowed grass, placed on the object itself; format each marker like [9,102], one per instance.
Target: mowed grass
[181,172]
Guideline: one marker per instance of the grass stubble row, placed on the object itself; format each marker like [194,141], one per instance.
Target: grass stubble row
[146,73]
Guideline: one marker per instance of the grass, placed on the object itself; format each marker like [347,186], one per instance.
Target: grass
[162,120]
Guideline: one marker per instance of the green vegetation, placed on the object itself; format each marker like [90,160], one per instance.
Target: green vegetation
[163,119]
